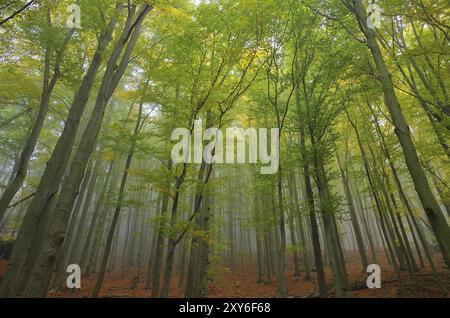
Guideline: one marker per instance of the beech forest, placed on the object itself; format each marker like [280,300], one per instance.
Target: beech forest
[224,148]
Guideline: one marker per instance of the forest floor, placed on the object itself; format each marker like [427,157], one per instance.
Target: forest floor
[242,283]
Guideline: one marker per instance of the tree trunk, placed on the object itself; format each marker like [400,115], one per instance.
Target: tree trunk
[143,12]
[432,209]
[56,234]
[312,216]
[156,269]
[21,166]
[54,171]
[353,215]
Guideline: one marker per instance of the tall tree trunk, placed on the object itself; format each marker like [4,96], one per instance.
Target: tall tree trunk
[312,213]
[113,73]
[301,229]
[292,236]
[61,262]
[55,169]
[353,215]
[282,264]
[143,12]
[91,239]
[432,209]
[156,269]
[366,224]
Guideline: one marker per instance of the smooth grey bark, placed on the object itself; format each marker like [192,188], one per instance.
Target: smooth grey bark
[156,268]
[330,234]
[431,206]
[196,284]
[56,233]
[55,169]
[62,258]
[201,286]
[317,250]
